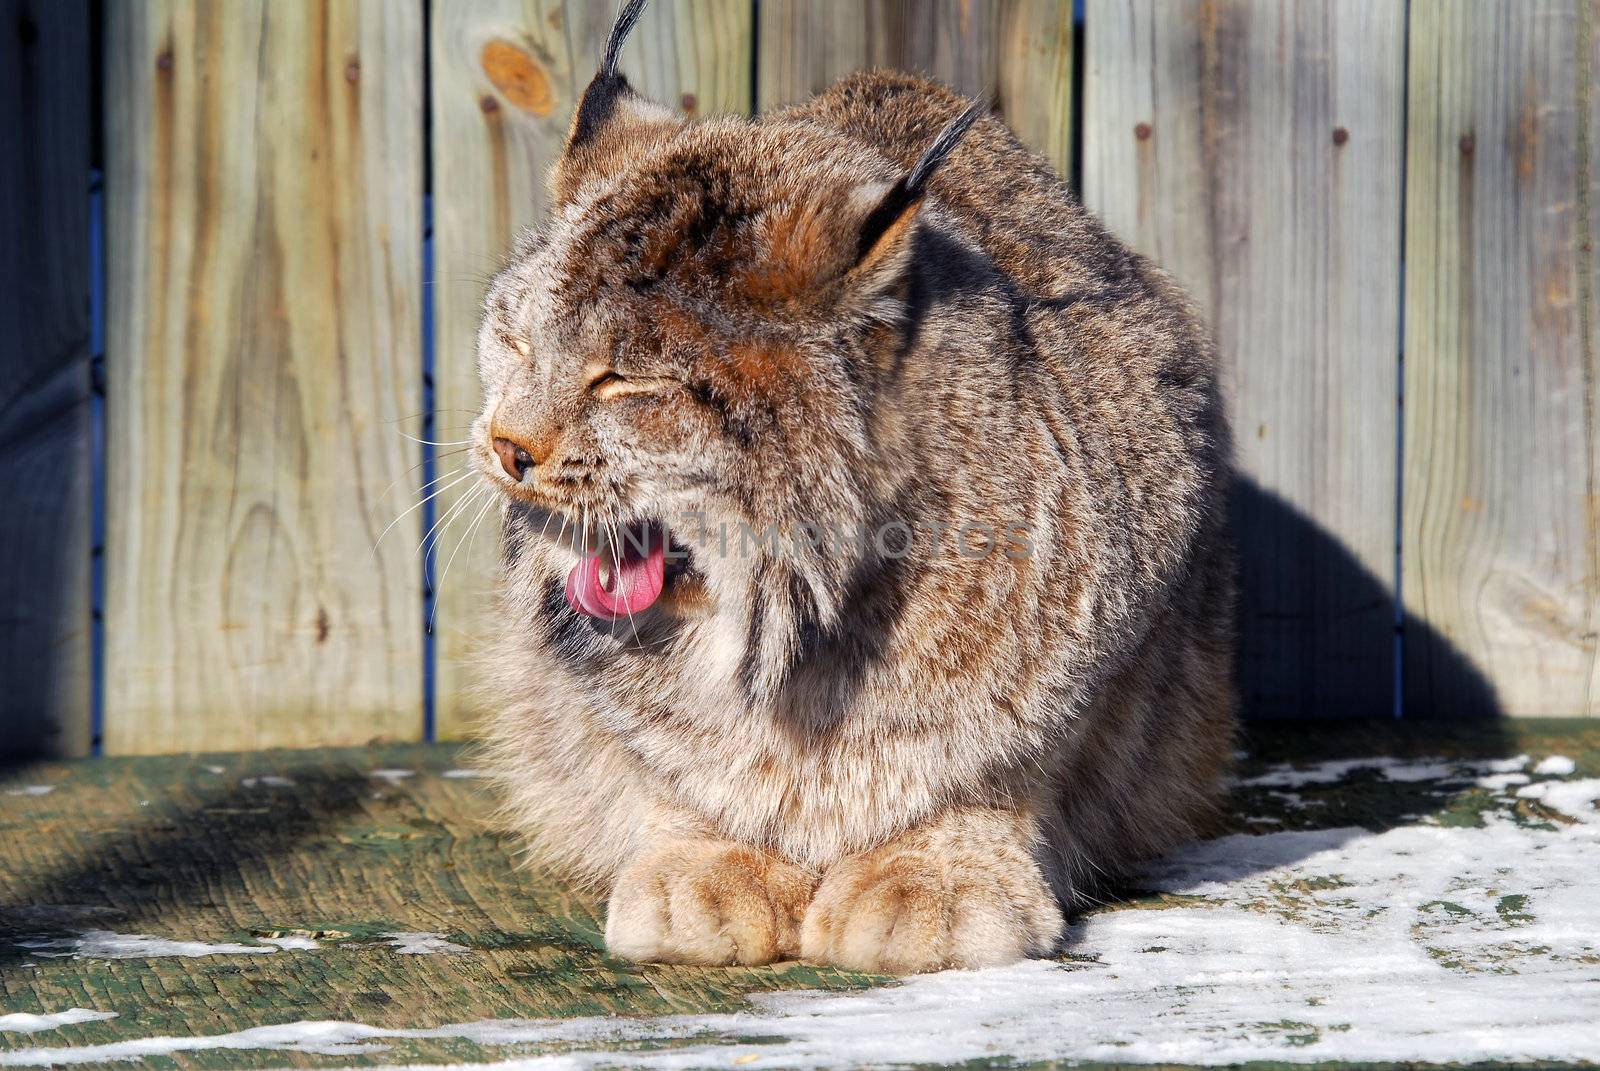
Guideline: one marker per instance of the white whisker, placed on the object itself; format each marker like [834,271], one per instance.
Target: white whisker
[465,474]
[562,534]
[444,521]
[413,468]
[430,442]
[466,537]
[430,483]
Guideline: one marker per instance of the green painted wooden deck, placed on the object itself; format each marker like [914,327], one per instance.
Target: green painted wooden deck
[367,886]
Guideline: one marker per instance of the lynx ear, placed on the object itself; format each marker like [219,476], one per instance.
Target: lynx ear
[849,250]
[884,241]
[611,118]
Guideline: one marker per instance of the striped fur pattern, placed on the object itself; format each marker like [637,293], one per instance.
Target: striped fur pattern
[880,754]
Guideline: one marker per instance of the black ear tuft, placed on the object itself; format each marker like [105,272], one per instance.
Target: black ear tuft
[943,146]
[627,19]
[608,83]
[908,191]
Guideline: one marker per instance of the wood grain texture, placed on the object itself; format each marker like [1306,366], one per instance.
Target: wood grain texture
[264,207]
[1501,537]
[44,377]
[1018,53]
[506,76]
[1254,149]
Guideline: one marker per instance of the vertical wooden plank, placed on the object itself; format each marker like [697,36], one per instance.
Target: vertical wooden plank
[1035,91]
[1254,149]
[44,377]
[264,218]
[505,77]
[1589,138]
[1501,539]
[1016,52]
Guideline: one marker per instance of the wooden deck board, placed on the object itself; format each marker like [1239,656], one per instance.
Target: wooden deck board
[212,849]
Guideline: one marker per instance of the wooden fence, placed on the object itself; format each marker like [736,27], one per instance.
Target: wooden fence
[1386,208]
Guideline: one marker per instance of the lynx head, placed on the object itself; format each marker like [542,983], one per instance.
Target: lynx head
[701,328]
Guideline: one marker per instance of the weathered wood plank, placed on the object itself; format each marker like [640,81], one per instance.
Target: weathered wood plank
[1036,69]
[1254,149]
[44,377]
[264,221]
[506,76]
[1589,42]
[1501,537]
[1018,53]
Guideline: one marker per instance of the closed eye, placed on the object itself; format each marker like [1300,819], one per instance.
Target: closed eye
[521,345]
[613,384]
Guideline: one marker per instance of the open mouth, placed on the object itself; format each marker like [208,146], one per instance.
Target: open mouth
[627,576]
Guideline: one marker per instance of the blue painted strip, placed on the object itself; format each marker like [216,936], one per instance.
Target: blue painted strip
[429,647]
[97,461]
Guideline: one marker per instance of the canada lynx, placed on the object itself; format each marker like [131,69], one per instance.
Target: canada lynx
[868,596]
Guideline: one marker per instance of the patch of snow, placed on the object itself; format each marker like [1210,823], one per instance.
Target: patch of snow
[31,790]
[267,781]
[1569,797]
[1501,781]
[1417,771]
[104,944]
[24,1023]
[1399,770]
[216,769]
[392,777]
[1555,766]
[421,944]
[1323,773]
[323,1038]
[462,773]
[291,943]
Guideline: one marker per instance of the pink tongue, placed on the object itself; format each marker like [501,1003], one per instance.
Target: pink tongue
[635,584]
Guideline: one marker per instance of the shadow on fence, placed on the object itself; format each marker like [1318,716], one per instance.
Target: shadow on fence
[1340,661]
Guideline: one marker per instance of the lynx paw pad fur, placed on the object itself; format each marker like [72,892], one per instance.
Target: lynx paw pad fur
[907,912]
[707,903]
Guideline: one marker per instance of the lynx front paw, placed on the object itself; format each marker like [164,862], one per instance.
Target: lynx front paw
[903,912]
[707,902]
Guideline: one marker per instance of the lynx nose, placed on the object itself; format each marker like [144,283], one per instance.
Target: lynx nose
[514,457]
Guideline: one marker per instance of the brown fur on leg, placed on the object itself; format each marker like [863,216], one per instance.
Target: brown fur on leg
[960,891]
[707,902]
